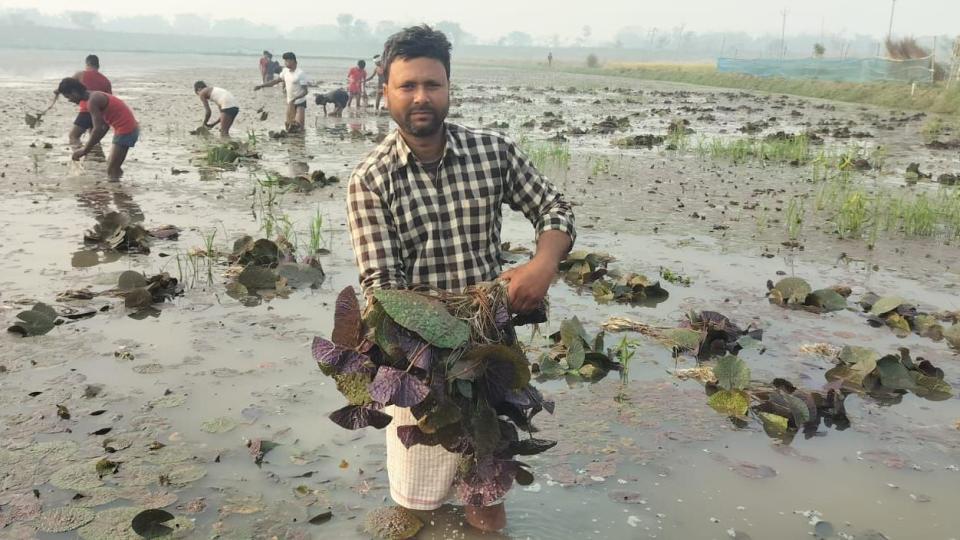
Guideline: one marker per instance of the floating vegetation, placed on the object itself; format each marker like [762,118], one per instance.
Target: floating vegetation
[675,277]
[639,141]
[304,183]
[796,293]
[629,289]
[903,318]
[229,153]
[704,334]
[886,379]
[582,268]
[139,291]
[392,523]
[778,148]
[36,321]
[63,519]
[117,231]
[576,354]
[454,360]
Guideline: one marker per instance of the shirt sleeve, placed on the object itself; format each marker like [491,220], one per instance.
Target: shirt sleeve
[374,236]
[530,192]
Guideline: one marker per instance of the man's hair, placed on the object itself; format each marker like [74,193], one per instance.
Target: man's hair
[93,61]
[416,42]
[266,53]
[199,85]
[69,85]
[361,64]
[289,56]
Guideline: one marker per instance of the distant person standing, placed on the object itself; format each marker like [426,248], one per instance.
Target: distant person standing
[356,78]
[106,111]
[95,82]
[266,67]
[378,73]
[296,84]
[550,59]
[225,102]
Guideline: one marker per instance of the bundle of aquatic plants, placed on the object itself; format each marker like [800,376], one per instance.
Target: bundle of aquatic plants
[454,360]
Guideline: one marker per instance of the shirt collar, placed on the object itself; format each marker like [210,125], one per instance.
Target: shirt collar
[404,153]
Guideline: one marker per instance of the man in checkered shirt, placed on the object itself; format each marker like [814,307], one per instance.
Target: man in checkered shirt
[425,208]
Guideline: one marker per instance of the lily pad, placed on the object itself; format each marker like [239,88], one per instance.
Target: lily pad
[170,401]
[893,374]
[257,278]
[425,316]
[732,373]
[931,388]
[826,299]
[221,424]
[730,402]
[184,474]
[774,425]
[952,335]
[117,524]
[392,523]
[77,477]
[793,290]
[683,339]
[886,305]
[130,280]
[151,523]
[37,321]
[64,519]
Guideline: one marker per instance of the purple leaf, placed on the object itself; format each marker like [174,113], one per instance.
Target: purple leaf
[336,359]
[497,380]
[347,325]
[412,435]
[487,481]
[531,447]
[325,352]
[392,386]
[501,316]
[356,417]
[417,351]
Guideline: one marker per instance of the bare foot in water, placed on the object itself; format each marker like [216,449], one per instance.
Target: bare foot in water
[487,518]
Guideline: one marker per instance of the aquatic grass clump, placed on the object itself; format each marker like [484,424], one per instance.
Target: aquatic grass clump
[793,149]
[541,154]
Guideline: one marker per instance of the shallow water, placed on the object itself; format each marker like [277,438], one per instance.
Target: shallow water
[207,356]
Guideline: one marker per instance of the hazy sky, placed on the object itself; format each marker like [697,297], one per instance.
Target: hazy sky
[490,19]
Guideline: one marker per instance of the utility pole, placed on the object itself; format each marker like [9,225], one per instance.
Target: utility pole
[893,5]
[783,34]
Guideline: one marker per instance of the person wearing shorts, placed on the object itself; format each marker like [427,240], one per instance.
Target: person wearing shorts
[338,98]
[224,101]
[356,78]
[95,82]
[106,111]
[296,83]
[378,73]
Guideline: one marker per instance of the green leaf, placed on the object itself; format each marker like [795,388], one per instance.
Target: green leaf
[255,278]
[683,339]
[931,388]
[796,406]
[886,305]
[827,299]
[220,424]
[34,322]
[952,335]
[138,298]
[465,388]
[853,355]
[571,330]
[130,280]
[732,373]
[425,316]
[793,290]
[893,375]
[575,354]
[549,367]
[730,402]
[774,425]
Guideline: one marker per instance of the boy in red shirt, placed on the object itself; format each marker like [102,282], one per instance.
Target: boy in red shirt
[95,82]
[106,111]
[356,79]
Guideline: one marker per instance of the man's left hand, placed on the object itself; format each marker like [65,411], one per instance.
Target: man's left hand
[78,154]
[528,284]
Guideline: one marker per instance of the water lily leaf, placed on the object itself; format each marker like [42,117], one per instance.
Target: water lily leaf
[302,275]
[444,414]
[356,417]
[886,305]
[732,373]
[826,299]
[37,321]
[575,354]
[683,339]
[130,280]
[220,424]
[893,375]
[788,403]
[116,524]
[856,364]
[592,372]
[425,316]
[898,323]
[932,388]
[549,367]
[485,429]
[151,523]
[138,298]
[952,335]
[851,355]
[793,290]
[321,518]
[255,278]
[64,519]
[531,447]
[730,402]
[354,386]
[77,477]
[774,425]
[242,245]
[571,331]
[927,326]
[396,387]
[523,477]
[347,325]
[264,252]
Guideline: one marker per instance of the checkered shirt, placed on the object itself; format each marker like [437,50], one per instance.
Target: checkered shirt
[408,229]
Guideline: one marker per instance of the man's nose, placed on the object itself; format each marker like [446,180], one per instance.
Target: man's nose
[420,95]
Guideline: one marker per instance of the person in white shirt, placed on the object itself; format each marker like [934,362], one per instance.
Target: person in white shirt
[225,102]
[296,83]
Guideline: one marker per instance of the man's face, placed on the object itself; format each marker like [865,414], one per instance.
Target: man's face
[73,97]
[291,64]
[418,95]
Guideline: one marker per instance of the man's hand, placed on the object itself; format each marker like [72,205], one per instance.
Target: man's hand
[79,154]
[528,284]
[257,87]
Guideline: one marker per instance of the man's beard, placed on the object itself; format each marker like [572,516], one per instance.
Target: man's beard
[428,129]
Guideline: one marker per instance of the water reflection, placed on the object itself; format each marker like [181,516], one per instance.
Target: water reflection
[105,203]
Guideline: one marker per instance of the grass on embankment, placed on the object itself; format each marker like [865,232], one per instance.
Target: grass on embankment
[930,98]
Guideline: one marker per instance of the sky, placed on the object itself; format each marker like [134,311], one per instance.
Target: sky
[491,19]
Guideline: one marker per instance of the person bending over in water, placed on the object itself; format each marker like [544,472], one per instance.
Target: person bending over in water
[225,102]
[338,97]
[95,82]
[106,111]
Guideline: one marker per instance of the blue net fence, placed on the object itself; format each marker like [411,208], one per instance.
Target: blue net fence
[831,69]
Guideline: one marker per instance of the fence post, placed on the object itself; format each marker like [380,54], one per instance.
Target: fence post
[933,62]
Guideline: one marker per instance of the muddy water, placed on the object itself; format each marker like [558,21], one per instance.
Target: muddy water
[686,471]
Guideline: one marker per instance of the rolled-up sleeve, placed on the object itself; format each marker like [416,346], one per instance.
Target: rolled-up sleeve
[374,237]
[530,192]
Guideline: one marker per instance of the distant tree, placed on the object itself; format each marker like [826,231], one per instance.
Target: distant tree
[345,23]
[516,39]
[593,61]
[454,32]
[190,24]
[84,19]
[361,30]
[385,29]
[140,24]
[819,50]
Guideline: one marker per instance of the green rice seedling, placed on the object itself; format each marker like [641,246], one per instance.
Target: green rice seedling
[208,244]
[852,214]
[601,165]
[795,215]
[252,138]
[221,156]
[316,232]
[932,129]
[625,352]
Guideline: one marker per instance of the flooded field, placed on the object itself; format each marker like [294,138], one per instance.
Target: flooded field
[208,403]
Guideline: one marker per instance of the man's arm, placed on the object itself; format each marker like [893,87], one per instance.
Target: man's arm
[95,105]
[273,82]
[205,99]
[529,192]
[374,236]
